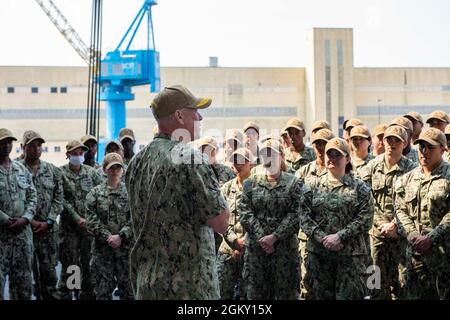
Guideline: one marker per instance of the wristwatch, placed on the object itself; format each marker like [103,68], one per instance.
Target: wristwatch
[50,223]
[122,236]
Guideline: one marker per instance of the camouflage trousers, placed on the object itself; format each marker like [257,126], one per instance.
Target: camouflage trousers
[334,277]
[16,254]
[274,276]
[45,259]
[428,276]
[302,253]
[389,256]
[230,273]
[110,268]
[75,250]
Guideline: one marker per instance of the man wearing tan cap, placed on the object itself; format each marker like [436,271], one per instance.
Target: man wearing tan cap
[47,180]
[90,155]
[230,256]
[113,146]
[447,135]
[269,211]
[176,206]
[423,209]
[417,121]
[377,139]
[234,139]
[126,137]
[108,219]
[75,241]
[251,137]
[386,247]
[320,124]
[438,119]
[17,209]
[348,126]
[298,154]
[406,124]
[360,140]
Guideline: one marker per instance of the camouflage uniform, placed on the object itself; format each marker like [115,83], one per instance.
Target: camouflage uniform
[413,155]
[345,208]
[48,183]
[104,176]
[387,253]
[17,200]
[293,164]
[108,213]
[423,208]
[229,269]
[307,174]
[358,165]
[271,209]
[75,243]
[171,199]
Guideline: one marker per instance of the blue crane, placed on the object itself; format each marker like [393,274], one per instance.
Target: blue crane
[123,68]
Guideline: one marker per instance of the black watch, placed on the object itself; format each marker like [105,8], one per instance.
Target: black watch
[122,236]
[50,223]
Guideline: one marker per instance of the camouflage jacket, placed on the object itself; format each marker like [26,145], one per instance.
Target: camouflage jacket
[266,209]
[307,155]
[235,231]
[382,181]
[423,203]
[310,172]
[173,192]
[358,165]
[413,155]
[76,187]
[223,172]
[108,212]
[344,208]
[18,195]
[50,196]
[104,176]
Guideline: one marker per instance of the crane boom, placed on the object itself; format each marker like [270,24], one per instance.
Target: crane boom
[61,23]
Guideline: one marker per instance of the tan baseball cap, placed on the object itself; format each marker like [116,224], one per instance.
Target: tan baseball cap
[208,141]
[75,144]
[243,152]
[396,131]
[251,124]
[403,122]
[338,144]
[269,137]
[320,124]
[379,129]
[413,115]
[117,143]
[112,159]
[322,134]
[5,134]
[126,133]
[30,136]
[440,115]
[272,144]
[294,123]
[447,129]
[176,97]
[360,131]
[88,137]
[353,123]
[433,136]
[234,134]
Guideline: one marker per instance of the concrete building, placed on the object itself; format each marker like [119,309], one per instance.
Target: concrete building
[52,100]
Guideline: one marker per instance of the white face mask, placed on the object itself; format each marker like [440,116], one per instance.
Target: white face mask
[76,160]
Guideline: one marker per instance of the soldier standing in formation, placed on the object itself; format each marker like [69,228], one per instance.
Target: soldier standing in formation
[90,155]
[377,139]
[127,139]
[360,141]
[298,154]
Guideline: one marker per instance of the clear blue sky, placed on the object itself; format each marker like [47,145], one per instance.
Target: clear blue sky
[387,33]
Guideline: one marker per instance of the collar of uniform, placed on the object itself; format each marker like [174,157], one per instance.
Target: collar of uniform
[117,190]
[316,171]
[381,164]
[14,167]
[281,181]
[163,136]
[437,172]
[41,169]
[347,180]
[289,155]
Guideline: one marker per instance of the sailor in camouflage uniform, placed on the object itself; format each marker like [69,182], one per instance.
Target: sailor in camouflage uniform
[417,121]
[387,247]
[269,209]
[90,156]
[438,119]
[127,139]
[307,174]
[408,152]
[48,183]
[423,209]
[176,205]
[113,146]
[360,140]
[230,255]
[74,240]
[108,219]
[447,135]
[298,154]
[377,139]
[17,209]
[340,216]
[251,138]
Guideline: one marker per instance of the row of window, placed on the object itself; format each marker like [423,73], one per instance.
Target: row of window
[36,90]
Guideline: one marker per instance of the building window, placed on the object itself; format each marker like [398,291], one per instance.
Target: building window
[53,90]
[11,90]
[34,90]
[44,149]
[63,89]
[235,89]
[57,149]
